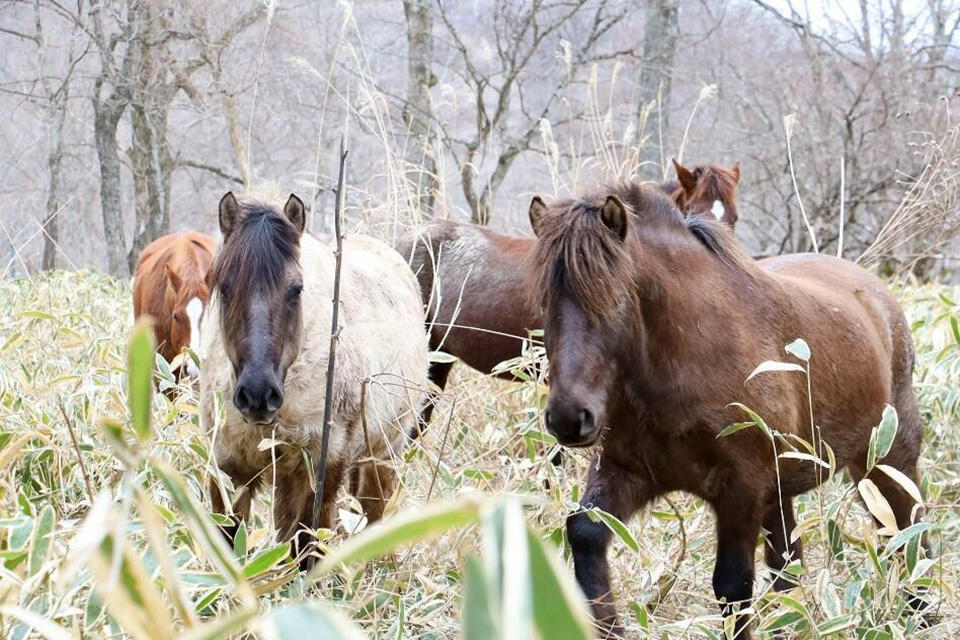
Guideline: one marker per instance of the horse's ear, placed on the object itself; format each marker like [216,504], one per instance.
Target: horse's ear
[537,210]
[614,216]
[735,170]
[229,213]
[295,212]
[685,177]
[174,281]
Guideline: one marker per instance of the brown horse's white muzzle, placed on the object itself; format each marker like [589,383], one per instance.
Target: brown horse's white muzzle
[572,423]
[258,396]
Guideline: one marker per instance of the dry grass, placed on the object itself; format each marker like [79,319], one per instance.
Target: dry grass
[928,217]
[68,350]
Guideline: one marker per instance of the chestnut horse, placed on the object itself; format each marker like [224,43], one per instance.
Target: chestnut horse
[654,323]
[706,190]
[473,284]
[266,349]
[170,284]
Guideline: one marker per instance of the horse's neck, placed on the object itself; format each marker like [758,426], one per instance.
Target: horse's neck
[692,303]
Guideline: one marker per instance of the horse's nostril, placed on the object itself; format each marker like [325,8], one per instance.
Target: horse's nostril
[274,399]
[546,418]
[586,421]
[240,399]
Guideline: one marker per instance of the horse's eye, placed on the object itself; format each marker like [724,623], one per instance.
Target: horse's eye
[176,316]
[293,293]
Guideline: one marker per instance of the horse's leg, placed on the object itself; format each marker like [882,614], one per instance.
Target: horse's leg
[903,457]
[779,522]
[621,494]
[738,523]
[376,483]
[437,373]
[293,507]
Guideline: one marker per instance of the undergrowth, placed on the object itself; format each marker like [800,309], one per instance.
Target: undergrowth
[105,527]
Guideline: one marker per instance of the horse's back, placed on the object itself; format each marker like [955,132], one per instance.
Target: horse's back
[381,342]
[853,307]
[473,283]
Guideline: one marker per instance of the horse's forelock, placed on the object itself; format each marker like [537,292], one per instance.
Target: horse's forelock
[716,183]
[576,253]
[256,255]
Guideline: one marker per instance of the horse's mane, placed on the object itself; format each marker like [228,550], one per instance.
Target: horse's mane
[256,253]
[577,252]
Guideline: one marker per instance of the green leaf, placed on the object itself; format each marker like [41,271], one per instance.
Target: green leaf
[773,365]
[799,348]
[266,560]
[755,418]
[36,622]
[838,624]
[559,610]
[616,526]
[794,604]
[442,357]
[413,525]
[224,626]
[240,540]
[478,619]
[139,383]
[200,525]
[736,426]
[886,431]
[784,620]
[921,568]
[311,620]
[41,539]
[904,536]
[955,326]
[835,538]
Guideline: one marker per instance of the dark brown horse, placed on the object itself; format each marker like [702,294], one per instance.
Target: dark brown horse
[170,285]
[473,284]
[654,323]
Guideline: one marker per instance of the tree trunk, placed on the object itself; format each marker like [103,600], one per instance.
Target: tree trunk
[659,47]
[421,165]
[150,176]
[56,116]
[106,117]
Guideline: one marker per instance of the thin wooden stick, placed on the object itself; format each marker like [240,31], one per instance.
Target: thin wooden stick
[76,446]
[321,470]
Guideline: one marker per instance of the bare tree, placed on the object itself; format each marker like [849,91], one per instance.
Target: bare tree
[418,112]
[53,94]
[212,47]
[112,93]
[520,33]
[660,35]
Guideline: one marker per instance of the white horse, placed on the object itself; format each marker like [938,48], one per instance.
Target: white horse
[265,347]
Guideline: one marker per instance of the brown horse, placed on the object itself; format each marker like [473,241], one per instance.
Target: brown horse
[266,350]
[654,322]
[707,190]
[473,285]
[170,284]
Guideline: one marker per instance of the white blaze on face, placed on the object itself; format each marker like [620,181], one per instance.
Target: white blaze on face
[194,311]
[718,210]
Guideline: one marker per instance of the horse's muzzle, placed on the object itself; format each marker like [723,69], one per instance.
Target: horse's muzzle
[258,397]
[572,425]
